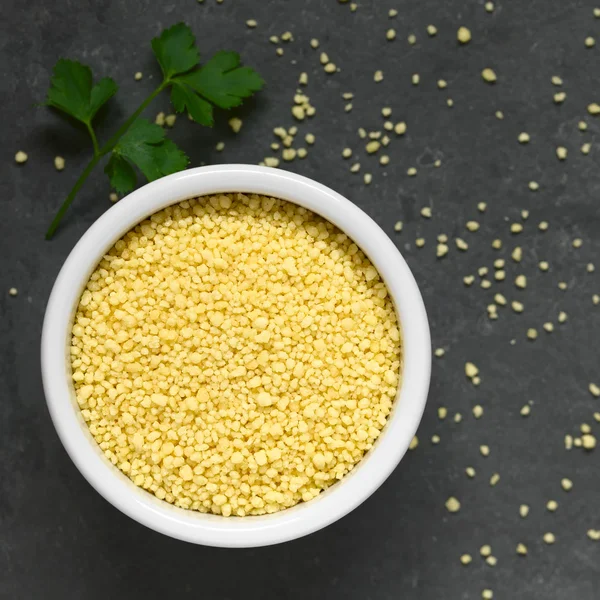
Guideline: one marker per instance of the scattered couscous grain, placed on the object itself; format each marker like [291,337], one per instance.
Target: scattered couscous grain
[463,35]
[590,42]
[551,505]
[196,345]
[236,124]
[517,306]
[549,538]
[21,157]
[59,163]
[561,153]
[523,138]
[523,511]
[441,250]
[138,76]
[271,161]
[372,147]
[400,128]
[466,559]
[588,441]
[593,109]
[13,291]
[471,370]
[560,97]
[566,484]
[488,75]
[452,505]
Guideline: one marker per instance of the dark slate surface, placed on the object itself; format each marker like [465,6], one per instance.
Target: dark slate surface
[59,539]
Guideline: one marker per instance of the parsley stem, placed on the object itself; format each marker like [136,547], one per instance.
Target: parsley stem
[94,138]
[98,154]
[65,205]
[112,142]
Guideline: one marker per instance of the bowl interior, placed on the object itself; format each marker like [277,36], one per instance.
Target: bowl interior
[216,530]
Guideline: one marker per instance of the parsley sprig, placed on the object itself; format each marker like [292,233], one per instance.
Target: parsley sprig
[196,89]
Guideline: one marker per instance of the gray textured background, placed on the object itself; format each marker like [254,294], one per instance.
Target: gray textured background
[59,539]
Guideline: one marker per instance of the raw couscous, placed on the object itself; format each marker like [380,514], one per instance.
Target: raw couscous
[235,354]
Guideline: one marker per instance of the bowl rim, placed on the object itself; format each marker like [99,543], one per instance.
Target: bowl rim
[214,530]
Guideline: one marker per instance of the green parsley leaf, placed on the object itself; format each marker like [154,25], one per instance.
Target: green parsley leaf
[175,50]
[184,98]
[121,174]
[222,81]
[71,90]
[145,145]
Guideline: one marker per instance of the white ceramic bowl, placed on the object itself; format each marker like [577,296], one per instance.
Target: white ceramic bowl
[214,530]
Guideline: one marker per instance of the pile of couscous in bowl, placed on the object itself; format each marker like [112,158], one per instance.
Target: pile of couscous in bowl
[235,354]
